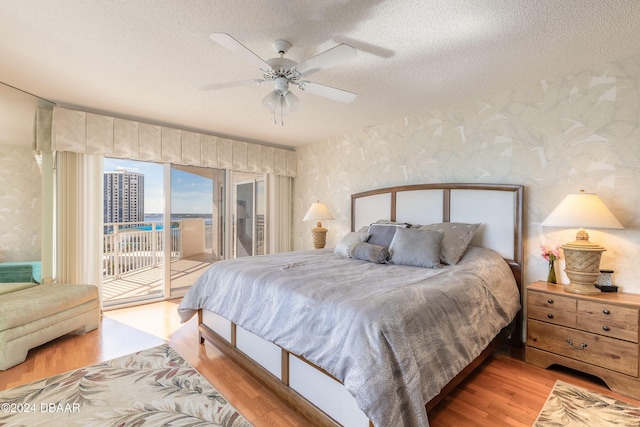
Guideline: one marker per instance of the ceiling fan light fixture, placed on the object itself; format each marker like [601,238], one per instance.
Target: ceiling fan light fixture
[292,102]
[278,104]
[287,102]
[272,101]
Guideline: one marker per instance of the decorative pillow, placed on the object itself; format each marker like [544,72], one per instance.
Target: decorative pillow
[346,244]
[419,248]
[382,234]
[456,239]
[372,253]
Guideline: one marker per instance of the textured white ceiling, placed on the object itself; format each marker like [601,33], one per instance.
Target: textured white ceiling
[145,59]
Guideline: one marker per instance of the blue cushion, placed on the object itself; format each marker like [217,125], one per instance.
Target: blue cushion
[35,274]
[15,273]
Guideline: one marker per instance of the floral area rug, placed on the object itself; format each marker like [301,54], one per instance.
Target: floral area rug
[154,387]
[570,405]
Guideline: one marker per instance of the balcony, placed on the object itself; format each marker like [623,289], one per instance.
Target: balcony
[133,258]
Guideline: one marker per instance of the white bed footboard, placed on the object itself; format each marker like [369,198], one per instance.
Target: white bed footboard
[310,382]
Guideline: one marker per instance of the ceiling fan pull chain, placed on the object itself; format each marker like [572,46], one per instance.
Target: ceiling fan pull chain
[281,110]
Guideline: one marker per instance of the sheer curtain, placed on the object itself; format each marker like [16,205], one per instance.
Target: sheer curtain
[279,213]
[79,213]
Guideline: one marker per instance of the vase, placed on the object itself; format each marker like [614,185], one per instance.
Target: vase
[551,277]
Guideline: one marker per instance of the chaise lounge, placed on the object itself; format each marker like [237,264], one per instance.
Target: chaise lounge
[32,314]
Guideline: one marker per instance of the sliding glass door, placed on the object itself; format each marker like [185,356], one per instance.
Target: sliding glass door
[163,227]
[197,224]
[249,210]
[133,243]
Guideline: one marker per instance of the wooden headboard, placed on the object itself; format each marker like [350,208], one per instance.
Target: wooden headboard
[497,207]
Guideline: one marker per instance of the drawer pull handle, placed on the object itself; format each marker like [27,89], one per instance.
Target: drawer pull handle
[606,328]
[550,301]
[605,311]
[580,347]
[550,316]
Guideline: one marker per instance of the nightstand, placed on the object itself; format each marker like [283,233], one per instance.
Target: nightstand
[596,334]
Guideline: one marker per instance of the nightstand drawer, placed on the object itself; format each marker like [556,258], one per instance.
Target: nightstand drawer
[608,328]
[557,302]
[558,317]
[604,311]
[609,353]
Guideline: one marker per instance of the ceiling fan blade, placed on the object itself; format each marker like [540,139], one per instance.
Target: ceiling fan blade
[334,56]
[327,91]
[238,48]
[216,86]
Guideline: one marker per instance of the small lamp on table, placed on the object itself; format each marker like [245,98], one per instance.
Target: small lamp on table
[318,212]
[582,258]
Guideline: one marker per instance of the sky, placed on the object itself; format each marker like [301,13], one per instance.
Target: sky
[191,194]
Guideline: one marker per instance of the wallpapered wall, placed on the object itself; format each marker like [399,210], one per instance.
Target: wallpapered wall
[578,131]
[20,207]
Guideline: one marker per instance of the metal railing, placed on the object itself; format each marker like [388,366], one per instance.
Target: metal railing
[133,246]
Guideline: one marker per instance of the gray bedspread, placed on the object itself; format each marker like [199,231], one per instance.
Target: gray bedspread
[394,335]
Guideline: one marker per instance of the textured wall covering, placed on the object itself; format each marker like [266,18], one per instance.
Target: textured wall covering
[20,210]
[578,131]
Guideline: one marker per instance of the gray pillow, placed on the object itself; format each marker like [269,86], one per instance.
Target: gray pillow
[349,241]
[419,248]
[373,253]
[382,234]
[456,239]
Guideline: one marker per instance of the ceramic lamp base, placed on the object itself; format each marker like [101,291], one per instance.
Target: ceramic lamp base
[319,237]
[582,260]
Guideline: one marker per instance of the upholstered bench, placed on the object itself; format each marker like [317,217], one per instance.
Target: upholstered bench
[33,316]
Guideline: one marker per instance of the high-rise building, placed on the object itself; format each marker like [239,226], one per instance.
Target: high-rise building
[123,196]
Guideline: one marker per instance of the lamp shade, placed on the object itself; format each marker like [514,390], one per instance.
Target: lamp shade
[582,258]
[317,212]
[582,210]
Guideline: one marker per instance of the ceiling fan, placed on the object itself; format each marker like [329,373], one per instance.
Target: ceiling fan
[284,73]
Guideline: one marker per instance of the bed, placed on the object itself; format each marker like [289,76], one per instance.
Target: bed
[352,342]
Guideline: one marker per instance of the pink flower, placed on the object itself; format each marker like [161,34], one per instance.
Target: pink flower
[550,254]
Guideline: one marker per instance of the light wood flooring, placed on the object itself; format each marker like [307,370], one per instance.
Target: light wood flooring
[504,391]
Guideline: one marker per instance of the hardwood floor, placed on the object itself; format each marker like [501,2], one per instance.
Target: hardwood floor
[504,391]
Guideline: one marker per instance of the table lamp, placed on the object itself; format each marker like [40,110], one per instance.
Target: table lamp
[318,212]
[582,258]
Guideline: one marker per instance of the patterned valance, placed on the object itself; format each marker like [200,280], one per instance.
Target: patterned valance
[88,133]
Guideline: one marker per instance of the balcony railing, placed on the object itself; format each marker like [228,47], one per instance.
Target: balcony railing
[133,255]
[135,246]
